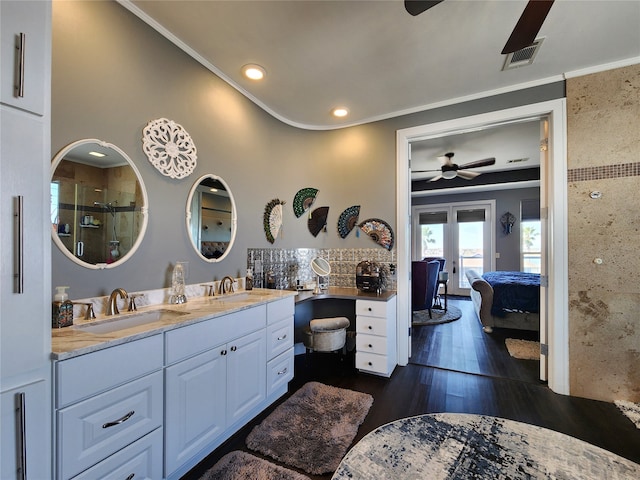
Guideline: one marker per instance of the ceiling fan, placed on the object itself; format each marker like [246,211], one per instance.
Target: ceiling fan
[450,170]
[525,31]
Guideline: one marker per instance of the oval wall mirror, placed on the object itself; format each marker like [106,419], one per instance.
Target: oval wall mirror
[99,205]
[211,218]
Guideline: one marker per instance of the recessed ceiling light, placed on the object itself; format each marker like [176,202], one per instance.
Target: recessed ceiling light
[254,72]
[97,154]
[340,112]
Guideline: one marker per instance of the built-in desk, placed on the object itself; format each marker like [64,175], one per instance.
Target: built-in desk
[372,317]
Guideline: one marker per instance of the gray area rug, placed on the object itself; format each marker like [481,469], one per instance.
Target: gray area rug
[421,317]
[241,465]
[461,446]
[523,349]
[313,428]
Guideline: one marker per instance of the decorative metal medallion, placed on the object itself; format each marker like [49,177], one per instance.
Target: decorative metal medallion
[347,220]
[303,200]
[318,220]
[273,219]
[169,148]
[379,231]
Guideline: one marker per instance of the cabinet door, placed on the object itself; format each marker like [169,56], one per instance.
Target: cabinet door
[246,374]
[37,446]
[24,61]
[25,343]
[195,399]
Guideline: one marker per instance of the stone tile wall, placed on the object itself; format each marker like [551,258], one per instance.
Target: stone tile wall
[603,113]
[292,265]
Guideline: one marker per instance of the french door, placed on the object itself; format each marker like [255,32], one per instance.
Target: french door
[462,233]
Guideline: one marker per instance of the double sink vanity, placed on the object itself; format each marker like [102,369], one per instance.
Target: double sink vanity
[149,394]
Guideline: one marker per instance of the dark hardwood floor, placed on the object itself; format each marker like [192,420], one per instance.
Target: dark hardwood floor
[456,367]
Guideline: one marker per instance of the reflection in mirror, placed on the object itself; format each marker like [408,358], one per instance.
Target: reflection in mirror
[211,217]
[98,204]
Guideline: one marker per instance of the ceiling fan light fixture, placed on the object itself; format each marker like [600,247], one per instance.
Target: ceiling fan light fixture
[449,174]
[253,71]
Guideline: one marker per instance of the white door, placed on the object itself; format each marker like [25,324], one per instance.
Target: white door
[462,233]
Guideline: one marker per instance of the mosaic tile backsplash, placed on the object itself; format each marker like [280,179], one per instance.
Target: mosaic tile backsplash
[290,267]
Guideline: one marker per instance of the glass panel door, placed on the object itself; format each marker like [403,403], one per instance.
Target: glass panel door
[461,233]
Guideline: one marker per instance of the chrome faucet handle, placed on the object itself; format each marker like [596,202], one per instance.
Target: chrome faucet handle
[89,314]
[132,301]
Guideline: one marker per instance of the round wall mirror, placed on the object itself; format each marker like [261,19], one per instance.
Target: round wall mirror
[99,204]
[211,218]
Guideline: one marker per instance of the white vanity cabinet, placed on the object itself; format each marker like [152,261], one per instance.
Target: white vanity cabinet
[376,349]
[25,315]
[215,381]
[106,401]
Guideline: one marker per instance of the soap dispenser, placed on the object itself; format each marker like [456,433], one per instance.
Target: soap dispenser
[62,309]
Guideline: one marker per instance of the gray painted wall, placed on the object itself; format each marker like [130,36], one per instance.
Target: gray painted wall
[112,74]
[506,201]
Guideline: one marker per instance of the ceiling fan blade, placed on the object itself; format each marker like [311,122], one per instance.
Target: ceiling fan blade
[479,163]
[467,174]
[436,178]
[425,171]
[416,7]
[531,20]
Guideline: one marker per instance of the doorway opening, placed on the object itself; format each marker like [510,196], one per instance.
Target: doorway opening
[553,205]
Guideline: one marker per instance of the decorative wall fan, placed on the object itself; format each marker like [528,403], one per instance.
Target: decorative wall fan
[450,170]
[525,31]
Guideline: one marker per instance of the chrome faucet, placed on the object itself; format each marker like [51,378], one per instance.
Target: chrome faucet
[223,285]
[112,307]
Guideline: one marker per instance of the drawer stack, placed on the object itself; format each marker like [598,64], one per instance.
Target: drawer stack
[376,350]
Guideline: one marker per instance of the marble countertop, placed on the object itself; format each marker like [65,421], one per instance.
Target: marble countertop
[72,341]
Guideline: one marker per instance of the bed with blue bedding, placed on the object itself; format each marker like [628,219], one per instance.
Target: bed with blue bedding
[506,299]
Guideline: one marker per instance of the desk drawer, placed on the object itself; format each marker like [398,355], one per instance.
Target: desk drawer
[372,308]
[371,325]
[373,363]
[92,430]
[371,344]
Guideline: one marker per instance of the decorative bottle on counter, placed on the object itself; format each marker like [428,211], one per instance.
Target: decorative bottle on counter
[248,282]
[62,309]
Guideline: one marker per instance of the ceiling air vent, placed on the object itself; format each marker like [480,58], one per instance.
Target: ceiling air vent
[523,57]
[518,160]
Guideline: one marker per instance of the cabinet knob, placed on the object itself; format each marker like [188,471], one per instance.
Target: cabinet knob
[370,364]
[234,348]
[369,308]
[223,352]
[370,327]
[370,346]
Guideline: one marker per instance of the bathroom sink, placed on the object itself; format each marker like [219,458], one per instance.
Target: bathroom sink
[117,323]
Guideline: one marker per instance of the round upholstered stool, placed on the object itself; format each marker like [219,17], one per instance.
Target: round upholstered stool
[326,334]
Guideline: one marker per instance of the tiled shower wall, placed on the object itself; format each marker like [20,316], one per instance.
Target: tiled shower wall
[290,266]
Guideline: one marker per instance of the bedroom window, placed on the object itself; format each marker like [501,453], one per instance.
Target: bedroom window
[530,236]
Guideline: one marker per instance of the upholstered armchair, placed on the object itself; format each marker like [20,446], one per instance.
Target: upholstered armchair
[424,284]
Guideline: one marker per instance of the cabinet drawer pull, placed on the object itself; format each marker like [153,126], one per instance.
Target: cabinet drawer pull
[234,348]
[120,420]
[20,73]
[223,352]
[282,372]
[282,337]
[130,477]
